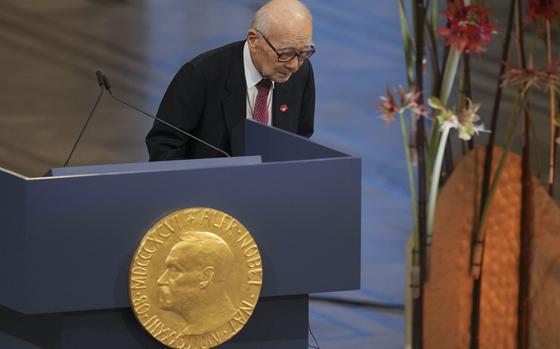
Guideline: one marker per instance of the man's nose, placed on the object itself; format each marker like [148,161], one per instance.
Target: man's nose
[162,281]
[293,65]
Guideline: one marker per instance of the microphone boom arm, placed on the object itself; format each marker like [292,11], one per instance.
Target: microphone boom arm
[105,83]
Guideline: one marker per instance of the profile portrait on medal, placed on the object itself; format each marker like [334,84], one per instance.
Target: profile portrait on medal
[194,284]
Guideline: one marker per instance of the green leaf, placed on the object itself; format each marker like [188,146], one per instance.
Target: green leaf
[436,103]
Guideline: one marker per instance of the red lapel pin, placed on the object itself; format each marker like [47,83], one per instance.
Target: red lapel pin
[284,108]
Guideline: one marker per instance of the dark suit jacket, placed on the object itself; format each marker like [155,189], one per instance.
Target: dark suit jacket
[207,98]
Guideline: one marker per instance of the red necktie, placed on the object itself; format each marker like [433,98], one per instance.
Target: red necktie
[260,112]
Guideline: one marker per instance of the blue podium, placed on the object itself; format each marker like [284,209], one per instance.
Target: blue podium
[67,239]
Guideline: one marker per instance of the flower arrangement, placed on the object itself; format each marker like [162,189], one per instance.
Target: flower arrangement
[440,44]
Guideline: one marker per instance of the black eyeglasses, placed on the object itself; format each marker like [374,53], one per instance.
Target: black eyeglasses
[289,54]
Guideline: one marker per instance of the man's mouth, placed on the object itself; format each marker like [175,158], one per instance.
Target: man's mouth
[164,296]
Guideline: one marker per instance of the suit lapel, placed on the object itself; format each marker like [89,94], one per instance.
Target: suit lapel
[234,105]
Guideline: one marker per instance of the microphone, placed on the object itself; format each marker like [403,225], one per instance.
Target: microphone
[100,83]
[106,85]
[99,78]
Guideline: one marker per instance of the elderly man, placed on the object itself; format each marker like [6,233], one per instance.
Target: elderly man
[194,284]
[267,78]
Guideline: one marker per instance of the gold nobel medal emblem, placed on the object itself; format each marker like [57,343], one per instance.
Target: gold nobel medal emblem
[195,279]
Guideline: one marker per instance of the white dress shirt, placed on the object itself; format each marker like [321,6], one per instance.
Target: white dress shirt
[253,77]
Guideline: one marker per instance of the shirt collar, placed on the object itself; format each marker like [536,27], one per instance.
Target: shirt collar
[252,75]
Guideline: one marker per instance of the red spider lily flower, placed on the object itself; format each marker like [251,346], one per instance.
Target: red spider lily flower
[468,28]
[548,10]
[388,106]
[407,101]
[410,101]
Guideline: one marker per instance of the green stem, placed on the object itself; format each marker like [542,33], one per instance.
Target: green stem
[432,148]
[434,14]
[433,51]
[419,273]
[519,107]
[552,151]
[434,183]
[449,74]
[536,148]
[407,43]
[415,236]
[446,85]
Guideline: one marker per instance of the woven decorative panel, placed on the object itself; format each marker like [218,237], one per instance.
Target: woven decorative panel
[448,291]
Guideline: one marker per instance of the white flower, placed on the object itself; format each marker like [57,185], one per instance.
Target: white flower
[464,122]
[467,119]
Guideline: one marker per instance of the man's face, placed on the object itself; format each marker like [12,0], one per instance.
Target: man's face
[295,38]
[179,283]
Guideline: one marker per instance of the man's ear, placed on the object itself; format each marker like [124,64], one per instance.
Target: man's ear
[206,276]
[252,36]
